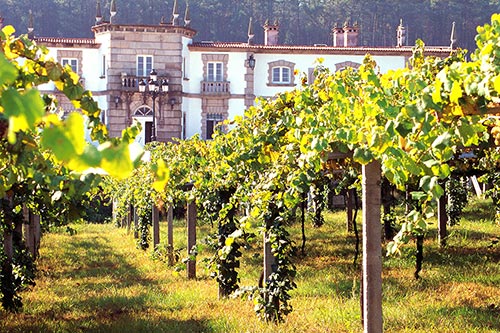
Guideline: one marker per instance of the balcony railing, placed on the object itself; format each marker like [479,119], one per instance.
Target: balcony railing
[215,87]
[131,82]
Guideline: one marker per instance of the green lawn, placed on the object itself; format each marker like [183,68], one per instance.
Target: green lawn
[98,281]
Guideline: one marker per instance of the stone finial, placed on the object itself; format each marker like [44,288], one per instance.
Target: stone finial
[401,34]
[251,33]
[187,16]
[31,27]
[453,37]
[112,10]
[175,14]
[98,14]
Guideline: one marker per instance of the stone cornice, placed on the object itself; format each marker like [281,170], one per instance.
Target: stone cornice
[161,28]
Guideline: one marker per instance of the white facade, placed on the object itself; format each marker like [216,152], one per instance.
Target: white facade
[207,81]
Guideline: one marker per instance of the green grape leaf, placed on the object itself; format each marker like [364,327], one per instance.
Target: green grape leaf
[362,155]
[24,110]
[119,160]
[442,141]
[73,91]
[54,70]
[8,72]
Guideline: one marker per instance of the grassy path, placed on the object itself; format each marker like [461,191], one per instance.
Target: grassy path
[98,281]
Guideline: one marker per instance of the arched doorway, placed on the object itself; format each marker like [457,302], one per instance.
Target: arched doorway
[144,115]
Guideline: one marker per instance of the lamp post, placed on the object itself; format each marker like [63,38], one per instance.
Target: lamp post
[155,88]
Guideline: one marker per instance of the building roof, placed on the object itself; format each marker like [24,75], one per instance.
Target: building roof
[67,42]
[314,49]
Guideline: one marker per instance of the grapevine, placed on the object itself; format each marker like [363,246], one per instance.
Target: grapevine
[495,129]
[457,199]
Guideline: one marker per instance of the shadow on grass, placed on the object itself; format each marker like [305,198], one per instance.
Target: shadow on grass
[92,281]
[478,318]
[116,323]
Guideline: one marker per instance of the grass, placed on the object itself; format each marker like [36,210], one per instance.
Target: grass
[98,281]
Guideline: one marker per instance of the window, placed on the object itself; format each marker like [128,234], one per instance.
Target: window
[281,75]
[71,62]
[214,71]
[144,65]
[143,111]
[103,69]
[212,121]
[343,65]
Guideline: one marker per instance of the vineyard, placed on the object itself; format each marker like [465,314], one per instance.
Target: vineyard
[397,146]
[94,281]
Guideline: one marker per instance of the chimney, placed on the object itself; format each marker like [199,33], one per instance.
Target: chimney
[338,36]
[351,35]
[271,33]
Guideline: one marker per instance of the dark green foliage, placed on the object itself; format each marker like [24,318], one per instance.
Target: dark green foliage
[317,195]
[19,274]
[98,210]
[145,219]
[456,189]
[493,178]
[226,259]
[273,304]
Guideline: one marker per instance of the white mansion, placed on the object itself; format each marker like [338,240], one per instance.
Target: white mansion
[199,83]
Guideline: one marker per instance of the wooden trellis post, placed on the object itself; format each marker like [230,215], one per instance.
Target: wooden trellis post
[36,231]
[156,227]
[191,238]
[136,222]
[442,220]
[372,249]
[170,234]
[130,216]
[31,232]
[269,260]
[8,250]
[349,200]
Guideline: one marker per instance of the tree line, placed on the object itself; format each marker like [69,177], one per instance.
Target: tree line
[303,22]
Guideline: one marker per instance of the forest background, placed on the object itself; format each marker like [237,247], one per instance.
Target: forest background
[302,22]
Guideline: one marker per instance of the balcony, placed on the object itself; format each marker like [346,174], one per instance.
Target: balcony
[215,88]
[131,82]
